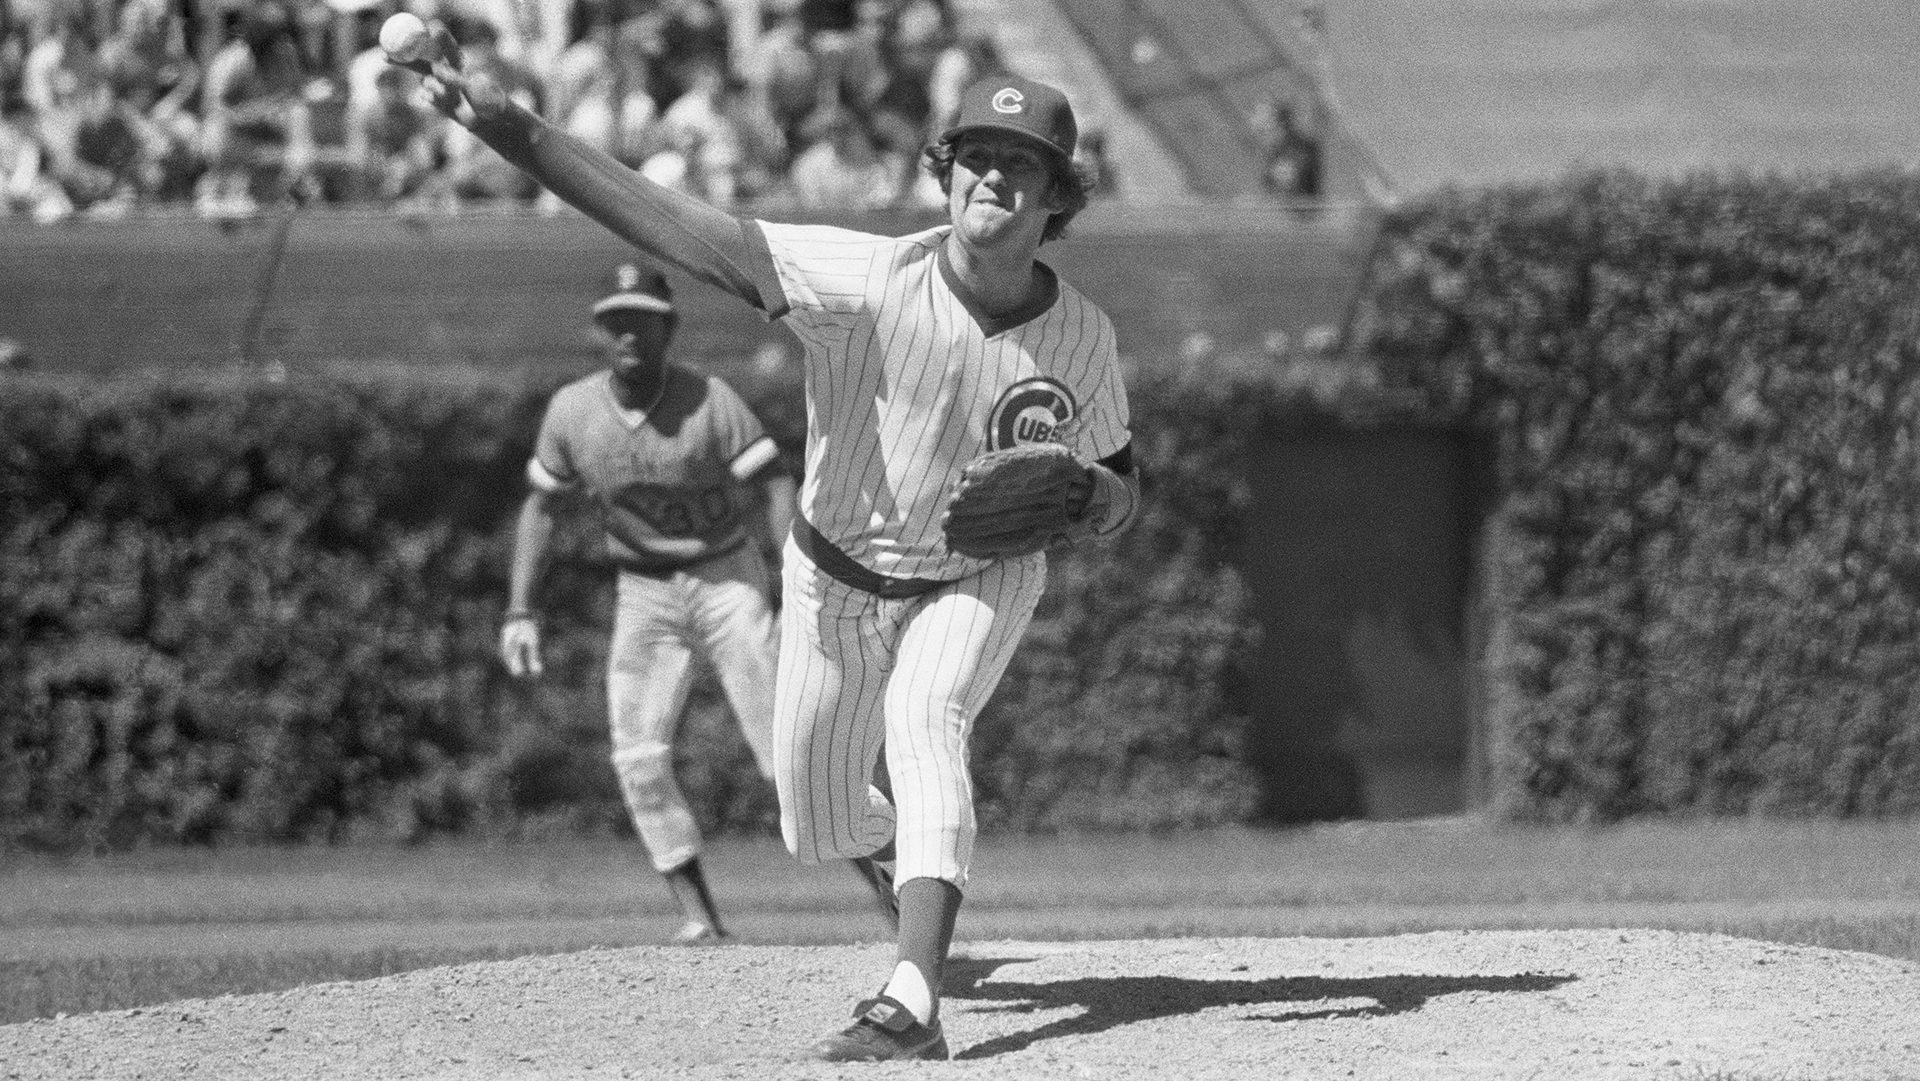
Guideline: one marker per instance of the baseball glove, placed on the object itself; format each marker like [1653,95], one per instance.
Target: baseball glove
[1019,500]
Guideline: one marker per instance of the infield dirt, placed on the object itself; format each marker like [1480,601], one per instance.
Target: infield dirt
[1456,1004]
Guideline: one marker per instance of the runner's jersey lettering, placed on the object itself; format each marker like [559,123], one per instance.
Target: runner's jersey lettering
[668,481]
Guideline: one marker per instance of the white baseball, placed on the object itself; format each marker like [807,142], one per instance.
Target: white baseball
[405,38]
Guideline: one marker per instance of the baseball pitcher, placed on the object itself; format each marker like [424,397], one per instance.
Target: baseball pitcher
[935,366]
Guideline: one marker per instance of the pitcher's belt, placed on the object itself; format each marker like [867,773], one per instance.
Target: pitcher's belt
[843,568]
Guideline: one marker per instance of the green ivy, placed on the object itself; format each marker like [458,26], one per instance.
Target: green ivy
[254,611]
[1704,570]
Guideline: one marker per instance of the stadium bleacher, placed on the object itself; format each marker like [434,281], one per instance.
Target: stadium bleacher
[1490,91]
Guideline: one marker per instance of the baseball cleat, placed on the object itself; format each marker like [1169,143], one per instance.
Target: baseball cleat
[695,933]
[883,1031]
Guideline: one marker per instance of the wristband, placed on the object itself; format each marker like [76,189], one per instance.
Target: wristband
[514,615]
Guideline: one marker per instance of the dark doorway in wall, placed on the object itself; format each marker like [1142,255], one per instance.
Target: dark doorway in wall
[1358,552]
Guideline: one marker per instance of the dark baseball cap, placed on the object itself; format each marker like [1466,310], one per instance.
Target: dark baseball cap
[1010,103]
[644,292]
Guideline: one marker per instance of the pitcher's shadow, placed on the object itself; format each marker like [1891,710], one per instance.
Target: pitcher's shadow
[1107,1002]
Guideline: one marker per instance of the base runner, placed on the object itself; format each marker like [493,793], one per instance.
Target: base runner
[919,554]
[672,456]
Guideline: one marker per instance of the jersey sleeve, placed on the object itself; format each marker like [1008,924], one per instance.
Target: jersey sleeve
[819,273]
[743,441]
[552,467]
[706,242]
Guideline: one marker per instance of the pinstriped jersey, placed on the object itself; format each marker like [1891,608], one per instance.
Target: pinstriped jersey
[668,479]
[904,387]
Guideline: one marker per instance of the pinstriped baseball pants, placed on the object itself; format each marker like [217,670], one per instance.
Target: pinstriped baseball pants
[858,672]
[719,609]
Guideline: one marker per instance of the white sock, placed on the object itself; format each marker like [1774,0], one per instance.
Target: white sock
[909,988]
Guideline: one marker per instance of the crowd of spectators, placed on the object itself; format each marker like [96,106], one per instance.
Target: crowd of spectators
[110,105]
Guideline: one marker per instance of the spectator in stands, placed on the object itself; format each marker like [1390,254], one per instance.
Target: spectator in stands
[62,64]
[16,35]
[473,170]
[531,35]
[1092,152]
[601,90]
[367,59]
[151,73]
[257,129]
[615,113]
[828,16]
[479,41]
[780,70]
[1293,152]
[844,167]
[840,36]
[393,141]
[665,89]
[764,151]
[692,37]
[97,150]
[705,152]
[147,60]
[91,145]
[25,187]
[909,37]
[965,58]
[580,60]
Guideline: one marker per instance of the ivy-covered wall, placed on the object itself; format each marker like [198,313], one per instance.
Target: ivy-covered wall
[1702,570]
[267,611]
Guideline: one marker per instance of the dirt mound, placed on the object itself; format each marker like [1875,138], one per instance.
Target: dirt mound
[1458,1004]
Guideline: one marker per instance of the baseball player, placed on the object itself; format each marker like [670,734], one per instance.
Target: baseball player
[965,412]
[670,455]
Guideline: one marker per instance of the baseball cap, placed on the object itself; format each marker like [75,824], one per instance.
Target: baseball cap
[635,291]
[1010,103]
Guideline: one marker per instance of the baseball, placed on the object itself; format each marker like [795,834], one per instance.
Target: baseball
[405,38]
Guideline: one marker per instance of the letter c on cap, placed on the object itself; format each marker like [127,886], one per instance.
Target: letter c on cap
[1009,100]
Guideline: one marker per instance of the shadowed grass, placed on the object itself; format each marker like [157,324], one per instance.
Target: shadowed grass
[136,929]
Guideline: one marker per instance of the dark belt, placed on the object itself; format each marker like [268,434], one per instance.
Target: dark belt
[842,567]
[671,569]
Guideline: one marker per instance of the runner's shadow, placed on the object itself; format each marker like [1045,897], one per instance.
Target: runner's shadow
[1107,1002]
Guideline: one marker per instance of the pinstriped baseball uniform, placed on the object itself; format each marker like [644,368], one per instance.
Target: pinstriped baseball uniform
[904,387]
[669,483]
[887,635]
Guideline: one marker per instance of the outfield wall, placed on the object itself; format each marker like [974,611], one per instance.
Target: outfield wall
[1355,543]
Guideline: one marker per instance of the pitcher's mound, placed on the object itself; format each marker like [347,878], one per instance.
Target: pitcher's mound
[1458,1004]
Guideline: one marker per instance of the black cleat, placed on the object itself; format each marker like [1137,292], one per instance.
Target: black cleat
[883,1031]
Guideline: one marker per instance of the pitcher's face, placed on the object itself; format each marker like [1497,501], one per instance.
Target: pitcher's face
[1002,189]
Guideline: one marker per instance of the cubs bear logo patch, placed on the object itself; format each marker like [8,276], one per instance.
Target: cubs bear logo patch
[1036,410]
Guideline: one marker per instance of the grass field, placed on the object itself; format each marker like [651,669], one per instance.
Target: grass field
[126,930]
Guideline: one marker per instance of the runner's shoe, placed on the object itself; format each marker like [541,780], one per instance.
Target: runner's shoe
[696,933]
